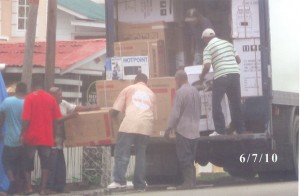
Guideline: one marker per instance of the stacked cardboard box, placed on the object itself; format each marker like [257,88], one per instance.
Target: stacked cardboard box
[169,33]
[164,89]
[108,90]
[90,128]
[154,49]
[137,11]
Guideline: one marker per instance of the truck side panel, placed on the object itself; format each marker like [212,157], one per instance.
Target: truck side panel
[284,35]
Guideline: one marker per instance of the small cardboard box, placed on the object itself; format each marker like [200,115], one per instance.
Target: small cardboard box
[90,128]
[154,49]
[164,88]
[108,91]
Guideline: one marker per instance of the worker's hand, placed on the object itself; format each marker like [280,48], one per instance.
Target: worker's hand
[113,113]
[74,114]
[201,79]
[167,133]
[95,107]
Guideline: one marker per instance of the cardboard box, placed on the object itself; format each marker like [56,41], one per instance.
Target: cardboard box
[164,89]
[90,128]
[108,91]
[154,49]
[128,67]
[250,66]
[245,19]
[140,11]
[168,32]
[206,121]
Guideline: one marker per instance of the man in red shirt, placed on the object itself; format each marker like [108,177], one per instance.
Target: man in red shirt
[40,112]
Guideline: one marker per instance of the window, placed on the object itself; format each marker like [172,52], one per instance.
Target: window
[23,9]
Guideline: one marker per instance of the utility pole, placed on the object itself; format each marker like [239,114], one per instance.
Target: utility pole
[29,42]
[51,44]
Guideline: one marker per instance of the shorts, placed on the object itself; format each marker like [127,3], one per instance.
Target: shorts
[12,158]
[43,152]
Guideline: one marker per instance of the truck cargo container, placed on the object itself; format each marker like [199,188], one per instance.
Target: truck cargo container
[265,35]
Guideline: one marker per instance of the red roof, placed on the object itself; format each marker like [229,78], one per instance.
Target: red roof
[68,53]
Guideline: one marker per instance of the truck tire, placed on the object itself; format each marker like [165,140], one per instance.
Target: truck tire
[295,143]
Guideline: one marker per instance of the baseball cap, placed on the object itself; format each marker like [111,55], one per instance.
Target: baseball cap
[208,33]
[191,15]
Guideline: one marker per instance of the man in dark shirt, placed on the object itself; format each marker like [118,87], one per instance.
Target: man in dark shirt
[196,23]
[184,120]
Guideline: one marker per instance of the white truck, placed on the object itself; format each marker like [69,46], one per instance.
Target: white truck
[265,34]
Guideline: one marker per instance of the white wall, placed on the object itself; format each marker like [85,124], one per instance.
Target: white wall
[285,32]
[99,1]
[64,29]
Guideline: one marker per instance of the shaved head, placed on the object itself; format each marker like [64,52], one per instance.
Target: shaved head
[56,92]
[54,89]
[181,75]
[180,78]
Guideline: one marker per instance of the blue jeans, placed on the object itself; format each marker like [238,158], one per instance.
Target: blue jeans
[229,84]
[122,156]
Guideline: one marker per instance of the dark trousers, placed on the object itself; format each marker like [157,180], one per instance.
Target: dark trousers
[57,170]
[230,85]
[122,155]
[186,151]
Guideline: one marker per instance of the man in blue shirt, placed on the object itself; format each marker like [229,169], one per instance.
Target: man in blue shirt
[10,115]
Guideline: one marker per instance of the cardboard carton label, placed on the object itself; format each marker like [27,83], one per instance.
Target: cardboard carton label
[245,19]
[249,52]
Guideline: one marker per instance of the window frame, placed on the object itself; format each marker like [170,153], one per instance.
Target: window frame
[16,32]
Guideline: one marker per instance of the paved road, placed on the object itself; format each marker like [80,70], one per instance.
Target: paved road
[225,187]
[261,189]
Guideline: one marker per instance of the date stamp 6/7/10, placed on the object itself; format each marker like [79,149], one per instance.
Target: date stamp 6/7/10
[258,158]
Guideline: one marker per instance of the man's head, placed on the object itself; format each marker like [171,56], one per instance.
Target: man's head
[193,16]
[140,77]
[180,78]
[56,92]
[21,89]
[208,34]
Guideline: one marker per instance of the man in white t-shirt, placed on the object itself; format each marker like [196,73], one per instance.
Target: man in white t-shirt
[57,171]
[137,101]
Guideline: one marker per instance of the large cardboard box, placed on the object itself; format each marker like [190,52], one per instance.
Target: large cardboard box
[90,128]
[141,11]
[108,91]
[250,54]
[245,19]
[169,32]
[164,89]
[154,49]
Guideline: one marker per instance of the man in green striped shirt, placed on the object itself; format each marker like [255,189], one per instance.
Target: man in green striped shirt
[221,55]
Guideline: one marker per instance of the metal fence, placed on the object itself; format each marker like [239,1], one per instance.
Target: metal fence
[89,165]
